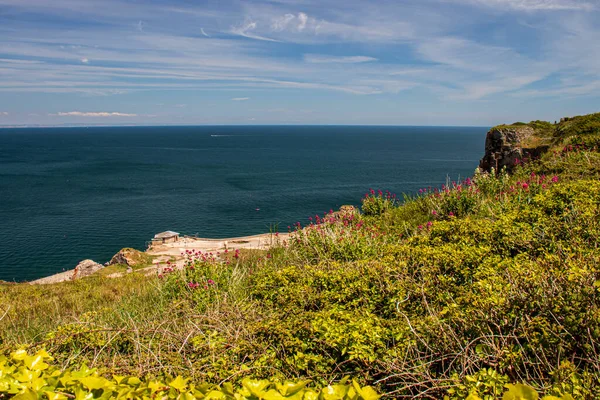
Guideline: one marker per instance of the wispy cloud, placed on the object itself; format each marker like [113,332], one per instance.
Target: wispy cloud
[291,22]
[435,51]
[537,5]
[3,113]
[94,114]
[247,30]
[325,59]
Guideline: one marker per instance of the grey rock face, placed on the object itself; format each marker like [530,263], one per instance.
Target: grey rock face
[503,148]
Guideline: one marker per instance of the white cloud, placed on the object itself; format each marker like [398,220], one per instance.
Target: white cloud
[446,56]
[93,114]
[281,23]
[240,98]
[588,89]
[304,28]
[536,5]
[3,113]
[294,22]
[476,70]
[324,59]
[247,30]
[302,20]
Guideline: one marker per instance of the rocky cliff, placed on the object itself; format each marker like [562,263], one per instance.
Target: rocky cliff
[508,145]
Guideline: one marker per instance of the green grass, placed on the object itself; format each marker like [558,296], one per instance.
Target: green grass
[456,291]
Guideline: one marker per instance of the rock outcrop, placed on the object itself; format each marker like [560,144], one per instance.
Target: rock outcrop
[85,268]
[345,211]
[508,145]
[130,257]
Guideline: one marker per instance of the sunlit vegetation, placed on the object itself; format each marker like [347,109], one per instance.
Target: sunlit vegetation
[486,288]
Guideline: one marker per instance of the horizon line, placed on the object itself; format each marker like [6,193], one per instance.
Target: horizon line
[41,126]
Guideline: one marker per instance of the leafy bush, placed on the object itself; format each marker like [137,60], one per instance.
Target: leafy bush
[25,377]
[377,203]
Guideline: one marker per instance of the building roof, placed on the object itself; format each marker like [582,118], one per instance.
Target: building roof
[166,235]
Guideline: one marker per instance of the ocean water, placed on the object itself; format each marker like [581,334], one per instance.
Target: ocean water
[68,194]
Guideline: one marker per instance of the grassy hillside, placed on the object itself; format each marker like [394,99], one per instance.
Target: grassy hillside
[455,291]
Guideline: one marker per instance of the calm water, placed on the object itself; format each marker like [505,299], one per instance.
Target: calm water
[67,194]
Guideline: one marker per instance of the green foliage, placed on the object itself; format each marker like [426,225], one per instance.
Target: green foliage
[377,203]
[486,384]
[29,377]
[578,126]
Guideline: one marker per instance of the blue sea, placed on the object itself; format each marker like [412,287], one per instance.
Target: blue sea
[67,194]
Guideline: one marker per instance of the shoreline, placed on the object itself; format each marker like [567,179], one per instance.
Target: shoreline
[173,251]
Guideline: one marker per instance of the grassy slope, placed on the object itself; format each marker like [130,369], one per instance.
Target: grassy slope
[461,289]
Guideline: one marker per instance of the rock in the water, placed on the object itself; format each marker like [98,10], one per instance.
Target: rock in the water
[86,268]
[130,257]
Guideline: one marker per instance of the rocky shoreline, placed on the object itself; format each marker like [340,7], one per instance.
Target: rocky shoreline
[159,255]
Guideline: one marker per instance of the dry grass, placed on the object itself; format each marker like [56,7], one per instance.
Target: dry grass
[30,311]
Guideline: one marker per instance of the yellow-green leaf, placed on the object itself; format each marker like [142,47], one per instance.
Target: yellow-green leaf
[473,396]
[290,388]
[26,395]
[520,392]
[179,383]
[256,387]
[334,392]
[215,394]
[55,396]
[35,362]
[19,355]
[93,382]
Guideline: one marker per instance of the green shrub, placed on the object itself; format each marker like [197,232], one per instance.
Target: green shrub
[29,377]
[377,203]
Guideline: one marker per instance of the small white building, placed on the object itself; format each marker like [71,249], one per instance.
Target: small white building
[165,237]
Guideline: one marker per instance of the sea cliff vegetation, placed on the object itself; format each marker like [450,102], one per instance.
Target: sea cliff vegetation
[486,288]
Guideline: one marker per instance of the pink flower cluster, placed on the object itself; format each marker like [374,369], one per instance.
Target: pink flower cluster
[534,180]
[388,195]
[195,285]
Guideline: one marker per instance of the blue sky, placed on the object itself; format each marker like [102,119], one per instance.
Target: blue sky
[415,62]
